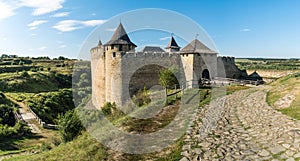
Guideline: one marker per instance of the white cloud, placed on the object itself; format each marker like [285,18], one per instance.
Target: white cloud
[246,30]
[33,25]
[93,22]
[71,25]
[33,34]
[6,9]
[165,38]
[43,6]
[4,38]
[42,48]
[62,46]
[111,29]
[61,14]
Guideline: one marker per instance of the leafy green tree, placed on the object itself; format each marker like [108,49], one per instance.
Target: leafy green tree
[167,78]
[83,82]
[69,125]
[6,115]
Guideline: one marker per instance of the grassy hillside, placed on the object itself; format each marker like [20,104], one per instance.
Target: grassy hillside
[33,82]
[285,95]
[86,148]
[268,64]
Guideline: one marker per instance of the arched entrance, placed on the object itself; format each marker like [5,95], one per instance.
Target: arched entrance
[205,74]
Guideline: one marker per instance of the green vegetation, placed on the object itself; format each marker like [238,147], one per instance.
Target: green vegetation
[142,97]
[268,64]
[286,87]
[167,77]
[49,105]
[34,82]
[69,125]
[8,124]
[44,85]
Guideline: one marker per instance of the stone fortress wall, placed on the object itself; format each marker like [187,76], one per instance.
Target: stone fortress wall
[118,70]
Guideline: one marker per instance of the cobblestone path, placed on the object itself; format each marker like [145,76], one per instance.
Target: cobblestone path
[246,129]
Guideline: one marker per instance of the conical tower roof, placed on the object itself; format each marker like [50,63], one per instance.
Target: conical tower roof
[99,43]
[120,37]
[172,44]
[197,47]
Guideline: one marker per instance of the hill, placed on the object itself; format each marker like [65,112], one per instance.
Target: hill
[284,95]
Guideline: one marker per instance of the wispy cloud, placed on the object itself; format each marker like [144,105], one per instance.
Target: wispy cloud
[71,25]
[246,30]
[42,48]
[165,38]
[61,14]
[62,46]
[7,9]
[111,29]
[34,25]
[41,7]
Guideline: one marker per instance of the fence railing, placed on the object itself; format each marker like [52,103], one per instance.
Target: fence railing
[40,121]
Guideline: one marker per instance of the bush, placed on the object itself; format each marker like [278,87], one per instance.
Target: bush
[142,98]
[46,146]
[108,108]
[48,105]
[24,74]
[8,131]
[6,115]
[69,125]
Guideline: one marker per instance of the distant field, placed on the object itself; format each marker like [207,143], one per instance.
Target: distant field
[268,64]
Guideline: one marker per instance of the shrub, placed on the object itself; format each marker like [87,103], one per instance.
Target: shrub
[24,74]
[142,98]
[69,125]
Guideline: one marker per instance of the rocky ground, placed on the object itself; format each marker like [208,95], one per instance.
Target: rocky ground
[242,126]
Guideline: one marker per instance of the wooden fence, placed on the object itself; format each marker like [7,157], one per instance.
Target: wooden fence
[40,121]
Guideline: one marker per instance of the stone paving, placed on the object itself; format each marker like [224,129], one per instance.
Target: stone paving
[245,128]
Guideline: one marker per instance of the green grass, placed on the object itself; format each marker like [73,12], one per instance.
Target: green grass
[283,86]
[36,82]
[86,148]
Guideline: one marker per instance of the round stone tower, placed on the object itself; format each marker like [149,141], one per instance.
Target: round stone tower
[98,73]
[108,68]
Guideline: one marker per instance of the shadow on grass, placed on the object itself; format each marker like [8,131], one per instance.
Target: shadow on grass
[14,143]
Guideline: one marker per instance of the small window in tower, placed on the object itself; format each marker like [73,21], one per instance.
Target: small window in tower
[120,47]
[114,54]
[104,54]
[112,47]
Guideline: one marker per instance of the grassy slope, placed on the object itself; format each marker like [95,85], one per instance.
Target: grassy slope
[86,148]
[283,86]
[35,82]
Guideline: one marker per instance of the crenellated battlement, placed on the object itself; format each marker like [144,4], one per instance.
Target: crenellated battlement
[227,59]
[149,54]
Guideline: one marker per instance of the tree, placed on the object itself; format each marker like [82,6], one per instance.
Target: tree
[83,82]
[69,125]
[167,78]
[6,115]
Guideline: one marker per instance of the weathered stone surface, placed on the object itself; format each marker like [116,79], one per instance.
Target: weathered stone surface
[184,159]
[263,153]
[277,149]
[245,128]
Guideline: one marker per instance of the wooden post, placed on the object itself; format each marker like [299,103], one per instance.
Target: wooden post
[176,92]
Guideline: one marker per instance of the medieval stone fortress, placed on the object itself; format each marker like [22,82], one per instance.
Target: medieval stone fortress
[117,69]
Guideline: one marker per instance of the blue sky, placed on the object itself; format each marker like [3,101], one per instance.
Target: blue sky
[240,28]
